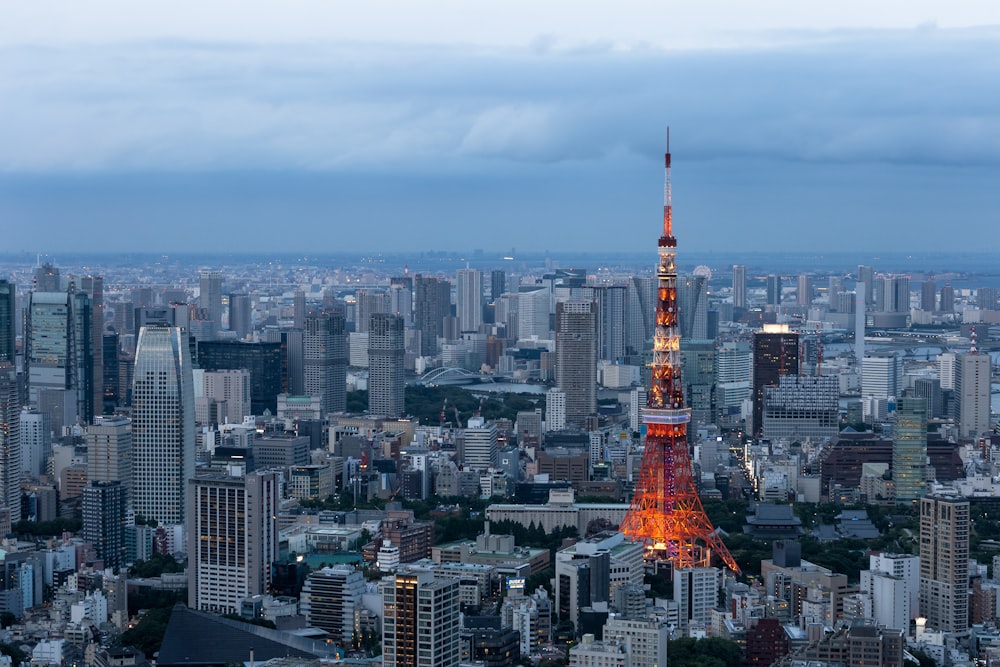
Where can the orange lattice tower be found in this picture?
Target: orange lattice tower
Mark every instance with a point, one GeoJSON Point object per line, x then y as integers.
{"type": "Point", "coordinates": [666, 512]}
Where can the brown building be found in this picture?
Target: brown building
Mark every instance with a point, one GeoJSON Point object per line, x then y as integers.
{"type": "Point", "coordinates": [414, 538]}
{"type": "Point", "coordinates": [561, 463]}
{"type": "Point", "coordinates": [765, 643]}
{"type": "Point", "coordinates": [841, 463]}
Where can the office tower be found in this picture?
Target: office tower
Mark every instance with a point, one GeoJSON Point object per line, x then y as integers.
{"type": "Point", "coordinates": [299, 309]}
{"type": "Point", "coordinates": [928, 296]}
{"type": "Point", "coordinates": [420, 623]}
{"type": "Point", "coordinates": [866, 276]}
{"type": "Point", "coordinates": [696, 592]}
{"type": "Point", "coordinates": [775, 353]}
{"type": "Point", "coordinates": [232, 536]}
{"type": "Point", "coordinates": [733, 376]}
{"type": "Point", "coordinates": [555, 409]}
{"type": "Point", "coordinates": [666, 513]}
{"type": "Point", "coordinates": [909, 450]}
{"type": "Point", "coordinates": [8, 311]}
{"type": "Point", "coordinates": [480, 449]}
{"type": "Point", "coordinates": [93, 287]}
{"type": "Point", "coordinates": [10, 441]}
{"type": "Point", "coordinates": [947, 299]}
{"type": "Point", "coordinates": [401, 298]}
{"type": "Point", "coordinates": [892, 293]}
{"type": "Point", "coordinates": [58, 354]}
{"type": "Point", "coordinates": [469, 299]}
{"type": "Point", "coordinates": [882, 376]}
{"type": "Point", "coordinates": [739, 286]}
{"type": "Point", "coordinates": [35, 444]}
{"type": "Point", "coordinates": [210, 298]}
{"type": "Point", "coordinates": [834, 289]}
{"type": "Point", "coordinates": [104, 507]}
{"type": "Point", "coordinates": [240, 315]}
{"type": "Point", "coordinates": [698, 371]}
{"type": "Point", "coordinates": [901, 566]}
{"type": "Point", "coordinates": [163, 431]}
{"type": "Point", "coordinates": [802, 406]}
{"type": "Point", "coordinates": [804, 292]}
{"type": "Point", "coordinates": [533, 313]}
{"type": "Point", "coordinates": [109, 450]}
{"type": "Point", "coordinates": [498, 284]}
{"type": "Point", "coordinates": [332, 601]}
{"type": "Point", "coordinates": [46, 278]}
{"type": "Point", "coordinates": [641, 301]}
{"type": "Point", "coordinates": [294, 360]}
{"type": "Point", "coordinates": [773, 290]}
{"type": "Point", "coordinates": [432, 303]}
{"type": "Point", "coordinates": [265, 361]}
{"type": "Point", "coordinates": [324, 359]}
{"type": "Point", "coordinates": [230, 389]}
{"type": "Point", "coordinates": [972, 392]}
{"type": "Point", "coordinates": [860, 322]}
{"type": "Point", "coordinates": [986, 298]}
{"type": "Point", "coordinates": [611, 310]}
{"type": "Point", "coordinates": [576, 358]}
{"type": "Point", "coordinates": [386, 380]}
{"type": "Point", "coordinates": [692, 304]}
{"type": "Point", "coordinates": [111, 377]}
{"type": "Point", "coordinates": [368, 303]}
{"type": "Point", "coordinates": [944, 562]}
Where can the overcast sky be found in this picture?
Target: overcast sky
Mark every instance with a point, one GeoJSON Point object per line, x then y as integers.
{"type": "Point", "coordinates": [323, 125]}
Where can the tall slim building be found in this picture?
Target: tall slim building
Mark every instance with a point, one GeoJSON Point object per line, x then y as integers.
{"type": "Point", "coordinates": [866, 275]}
{"type": "Point", "coordinates": [533, 313]}
{"type": "Point", "coordinates": [324, 350]}
{"type": "Point", "coordinates": [928, 296]}
{"type": "Point", "coordinates": [420, 623]}
{"type": "Point", "coordinates": [368, 303]}
{"type": "Point", "coordinates": [210, 297]}
{"type": "Point", "coordinates": [479, 445]}
{"type": "Point", "coordinates": [498, 284]}
{"type": "Point", "coordinates": [386, 379]}
{"type": "Point", "coordinates": [469, 299]}
{"type": "Point", "coordinates": [972, 391]}
{"type": "Point", "coordinates": [432, 303]}
{"type": "Point", "coordinates": [576, 358]}
{"type": "Point", "coordinates": [10, 441]}
{"type": "Point", "coordinates": [909, 450]}
{"type": "Point", "coordinates": [299, 309]}
{"type": "Point", "coordinates": [611, 309]}
{"type": "Point", "coordinates": [775, 353]}
{"type": "Point", "coordinates": [739, 286]}
{"type": "Point", "coordinates": [8, 310]}
{"type": "Point", "coordinates": [163, 426]}
{"type": "Point", "coordinates": [639, 323]}
{"type": "Point", "coordinates": [947, 304]}
{"type": "Point", "coordinates": [240, 315]}
{"type": "Point", "coordinates": [332, 601]}
{"type": "Point", "coordinates": [35, 442]}
{"type": "Point", "coordinates": [882, 376]}
{"type": "Point", "coordinates": [804, 291]}
{"type": "Point", "coordinates": [93, 287]}
{"type": "Point", "coordinates": [692, 305]}
{"type": "Point", "coordinates": [109, 450]}
{"type": "Point", "coordinates": [232, 536]}
{"type": "Point", "coordinates": [986, 298]}
{"type": "Point", "coordinates": [401, 298]}
{"type": "Point", "coordinates": [773, 290]}
{"type": "Point", "coordinates": [104, 505]}
{"type": "Point", "coordinates": [944, 562]}
{"type": "Point", "coordinates": [46, 278]}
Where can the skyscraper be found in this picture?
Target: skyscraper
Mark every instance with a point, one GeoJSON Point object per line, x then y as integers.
{"type": "Point", "coordinates": [775, 353]}
{"type": "Point", "coordinates": [641, 298]}
{"type": "Point", "coordinates": [432, 303]}
{"type": "Point", "coordinates": [498, 284]}
{"type": "Point", "coordinates": [401, 298]}
{"type": "Point", "coordinates": [947, 304]}
{"type": "Point", "coordinates": [104, 505]}
{"type": "Point", "coordinates": [10, 441]}
{"type": "Point", "coordinates": [386, 380]}
{"type": "Point", "coordinates": [299, 309]}
{"type": "Point", "coordinates": [480, 449]}
{"type": "Point", "coordinates": [986, 298]}
{"type": "Point", "coordinates": [420, 623]}
{"type": "Point", "coordinates": [469, 299]}
{"type": "Point", "coordinates": [773, 291]}
{"type": "Point", "coordinates": [739, 286]}
{"type": "Point", "coordinates": [163, 427]}
{"type": "Point", "coordinates": [692, 306]}
{"type": "Point", "coordinates": [909, 450]}
{"type": "Point", "coordinates": [611, 307]}
{"type": "Point", "coordinates": [8, 309]}
{"type": "Point", "coordinates": [882, 376]}
{"type": "Point", "coordinates": [866, 275]}
{"type": "Point", "coordinates": [972, 391]}
{"type": "Point", "coordinates": [93, 287]}
{"type": "Point", "coordinates": [944, 562]}
{"type": "Point", "coordinates": [804, 292]}
{"type": "Point", "coordinates": [928, 296]}
{"type": "Point", "coordinates": [240, 315]}
{"type": "Point", "coordinates": [533, 313]}
{"type": "Point", "coordinates": [210, 297]}
{"type": "Point", "coordinates": [109, 450]}
{"type": "Point", "coordinates": [324, 352]}
{"type": "Point", "coordinates": [331, 600]}
{"type": "Point", "coordinates": [232, 538]}
{"type": "Point", "coordinates": [576, 358]}
{"type": "Point", "coordinates": [266, 362]}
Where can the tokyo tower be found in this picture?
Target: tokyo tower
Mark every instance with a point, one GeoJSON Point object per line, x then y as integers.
{"type": "Point", "coordinates": [666, 512]}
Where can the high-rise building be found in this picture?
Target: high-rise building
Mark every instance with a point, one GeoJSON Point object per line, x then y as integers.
{"type": "Point", "coordinates": [299, 309]}
{"type": "Point", "coordinates": [775, 353]}
{"type": "Point", "coordinates": [892, 293]}
{"type": "Point", "coordinates": [611, 311]}
{"type": "Point", "coordinates": [972, 392]}
{"type": "Point", "coordinates": [109, 450]}
{"type": "Point", "coordinates": [692, 306]}
{"type": "Point", "coordinates": [944, 562]}
{"type": "Point", "coordinates": [882, 376]}
{"type": "Point", "coordinates": [265, 360]}
{"type": "Point", "coordinates": [802, 406]}
{"type": "Point", "coordinates": [928, 296]}
{"type": "Point", "coordinates": [469, 299]}
{"type": "Point", "coordinates": [10, 441]}
{"type": "Point", "coordinates": [834, 289]}
{"type": "Point", "coordinates": [576, 358]}
{"type": "Point", "coordinates": [8, 310]}
{"type": "Point", "coordinates": [386, 380]}
{"type": "Point", "coordinates": [432, 303]}
{"type": "Point", "coordinates": [229, 391]}
{"type": "Point", "coordinates": [739, 286]}
{"type": "Point", "coordinates": [420, 623]}
{"type": "Point", "coordinates": [47, 279]}
{"type": "Point", "coordinates": [986, 298]}
{"type": "Point", "coordinates": [947, 299]}
{"type": "Point", "coordinates": [163, 425]}
{"type": "Point", "coordinates": [240, 315]}
{"type": "Point", "coordinates": [331, 601]}
{"type": "Point", "coordinates": [696, 591]}
{"type": "Point", "coordinates": [773, 290]}
{"type": "Point", "coordinates": [498, 284]}
{"type": "Point", "coordinates": [111, 378]}
{"type": "Point", "coordinates": [210, 297]}
{"type": "Point", "coordinates": [35, 442]}
{"type": "Point", "coordinates": [232, 536]}
{"type": "Point", "coordinates": [401, 298]}
{"type": "Point", "coordinates": [324, 347]}
{"type": "Point", "coordinates": [866, 275]}
{"type": "Point", "coordinates": [804, 293]}
{"type": "Point", "coordinates": [909, 450]}
{"type": "Point", "coordinates": [368, 303]}
{"type": "Point", "coordinates": [93, 287]}
{"type": "Point", "coordinates": [104, 505]}
{"type": "Point", "coordinates": [480, 449]}
{"type": "Point", "coordinates": [533, 313]}
{"type": "Point", "coordinates": [555, 409]}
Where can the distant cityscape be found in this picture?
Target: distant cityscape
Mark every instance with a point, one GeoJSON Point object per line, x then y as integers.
{"type": "Point", "coordinates": [203, 453]}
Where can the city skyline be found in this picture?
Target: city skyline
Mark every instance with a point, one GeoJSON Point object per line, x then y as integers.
{"type": "Point", "coordinates": [802, 129]}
